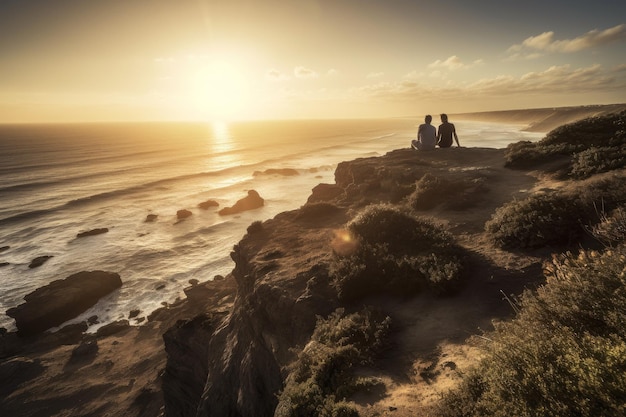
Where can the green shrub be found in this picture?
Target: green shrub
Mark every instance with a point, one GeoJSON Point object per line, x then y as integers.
{"type": "Point", "coordinates": [397, 254]}
{"type": "Point", "coordinates": [255, 227]}
{"type": "Point", "coordinates": [558, 217]}
{"type": "Point", "coordinates": [612, 229]}
{"type": "Point", "coordinates": [323, 375]}
{"type": "Point", "coordinates": [607, 131]}
{"type": "Point", "coordinates": [565, 352]}
{"type": "Point", "coordinates": [313, 211]}
{"type": "Point", "coordinates": [596, 160]}
{"type": "Point", "coordinates": [431, 191]}
{"type": "Point", "coordinates": [539, 220]}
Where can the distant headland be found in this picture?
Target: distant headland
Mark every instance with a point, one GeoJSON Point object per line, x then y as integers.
{"type": "Point", "coordinates": [543, 119]}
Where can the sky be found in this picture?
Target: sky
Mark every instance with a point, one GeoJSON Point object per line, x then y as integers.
{"type": "Point", "coordinates": [127, 60]}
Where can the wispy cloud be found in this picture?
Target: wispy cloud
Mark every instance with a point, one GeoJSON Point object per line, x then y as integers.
{"type": "Point", "coordinates": [375, 74]}
{"type": "Point", "coordinates": [534, 46]}
{"type": "Point", "coordinates": [303, 72]}
{"type": "Point", "coordinates": [454, 63]}
{"type": "Point", "coordinates": [553, 80]}
{"type": "Point", "coordinates": [275, 75]}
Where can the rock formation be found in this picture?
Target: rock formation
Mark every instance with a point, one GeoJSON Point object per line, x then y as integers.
{"type": "Point", "coordinates": [38, 261]}
{"type": "Point", "coordinates": [252, 201]}
{"type": "Point", "coordinates": [92, 232]}
{"type": "Point", "coordinates": [205, 205]}
{"type": "Point", "coordinates": [62, 300]}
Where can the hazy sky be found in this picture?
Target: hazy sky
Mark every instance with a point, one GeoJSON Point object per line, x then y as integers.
{"type": "Point", "coordinates": [81, 60]}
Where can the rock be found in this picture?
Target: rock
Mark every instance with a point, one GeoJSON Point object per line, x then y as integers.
{"type": "Point", "coordinates": [160, 287]}
{"type": "Point", "coordinates": [252, 201]}
{"type": "Point", "coordinates": [4, 264]}
{"type": "Point", "coordinates": [151, 218]}
{"type": "Point", "coordinates": [61, 300]}
{"type": "Point", "coordinates": [194, 281]}
{"type": "Point", "coordinates": [133, 314]}
{"type": "Point", "coordinates": [4, 248]}
{"type": "Point", "coordinates": [183, 214]}
{"type": "Point", "coordinates": [92, 232]}
{"type": "Point", "coordinates": [113, 328]}
{"type": "Point", "coordinates": [93, 320]}
{"type": "Point", "coordinates": [187, 364]}
{"type": "Point", "coordinates": [86, 349]}
{"type": "Point", "coordinates": [208, 204]}
{"type": "Point", "coordinates": [325, 192]}
{"type": "Point", "coordinates": [288, 172]}
{"type": "Point", "coordinates": [16, 372]}
{"type": "Point", "coordinates": [38, 261]}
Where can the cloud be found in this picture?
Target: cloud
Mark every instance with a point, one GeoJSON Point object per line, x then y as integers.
{"type": "Point", "coordinates": [454, 63]}
{"type": "Point", "coordinates": [302, 72]}
{"type": "Point", "coordinates": [533, 46]}
{"type": "Point", "coordinates": [375, 74]}
{"type": "Point", "coordinates": [332, 72]}
{"type": "Point", "coordinates": [275, 75]}
{"type": "Point", "coordinates": [553, 80]}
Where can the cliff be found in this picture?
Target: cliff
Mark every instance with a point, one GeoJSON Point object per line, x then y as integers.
{"type": "Point", "coordinates": [283, 283]}
{"type": "Point", "coordinates": [333, 308]}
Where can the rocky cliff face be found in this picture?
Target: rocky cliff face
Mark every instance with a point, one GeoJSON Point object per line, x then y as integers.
{"type": "Point", "coordinates": [236, 364]}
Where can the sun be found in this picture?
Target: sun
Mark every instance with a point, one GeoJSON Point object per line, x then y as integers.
{"type": "Point", "coordinates": [216, 90]}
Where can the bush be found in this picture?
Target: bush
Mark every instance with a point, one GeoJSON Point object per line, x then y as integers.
{"type": "Point", "coordinates": [315, 211]}
{"type": "Point", "coordinates": [255, 227]}
{"type": "Point", "coordinates": [431, 191]}
{"type": "Point", "coordinates": [539, 220]}
{"type": "Point", "coordinates": [596, 160]}
{"type": "Point", "coordinates": [569, 140]}
{"type": "Point", "coordinates": [565, 352]}
{"type": "Point", "coordinates": [323, 375]}
{"type": "Point", "coordinates": [612, 229]}
{"type": "Point", "coordinates": [556, 218]}
{"type": "Point", "coordinates": [397, 254]}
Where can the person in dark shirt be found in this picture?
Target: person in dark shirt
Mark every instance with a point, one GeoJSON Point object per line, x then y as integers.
{"type": "Point", "coordinates": [445, 133]}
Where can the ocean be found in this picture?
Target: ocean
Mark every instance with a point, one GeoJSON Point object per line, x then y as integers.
{"type": "Point", "coordinates": [61, 180]}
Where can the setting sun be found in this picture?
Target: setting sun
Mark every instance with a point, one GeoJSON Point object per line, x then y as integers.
{"type": "Point", "coordinates": [215, 90]}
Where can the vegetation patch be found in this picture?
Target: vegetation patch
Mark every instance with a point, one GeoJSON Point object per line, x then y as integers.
{"type": "Point", "coordinates": [397, 253]}
{"type": "Point", "coordinates": [432, 191]}
{"type": "Point", "coordinates": [565, 352]}
{"type": "Point", "coordinates": [322, 378]}
{"type": "Point", "coordinates": [591, 145]}
{"type": "Point", "coordinates": [558, 217]}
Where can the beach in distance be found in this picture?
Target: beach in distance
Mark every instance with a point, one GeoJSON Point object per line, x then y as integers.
{"type": "Point", "coordinates": [63, 180]}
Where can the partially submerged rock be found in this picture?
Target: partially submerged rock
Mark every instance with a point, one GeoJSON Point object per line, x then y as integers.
{"type": "Point", "coordinates": [38, 261]}
{"type": "Point", "coordinates": [92, 232]}
{"type": "Point", "coordinates": [287, 172]}
{"type": "Point", "coordinates": [183, 214]}
{"type": "Point", "coordinates": [62, 300]}
{"type": "Point", "coordinates": [150, 218]}
{"type": "Point", "coordinates": [252, 201]}
{"type": "Point", "coordinates": [205, 205]}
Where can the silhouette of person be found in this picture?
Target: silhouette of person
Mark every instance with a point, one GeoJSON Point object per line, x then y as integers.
{"type": "Point", "coordinates": [426, 136]}
{"type": "Point", "coordinates": [445, 133]}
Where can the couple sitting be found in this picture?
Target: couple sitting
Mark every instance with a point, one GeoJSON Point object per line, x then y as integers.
{"type": "Point", "coordinates": [428, 137]}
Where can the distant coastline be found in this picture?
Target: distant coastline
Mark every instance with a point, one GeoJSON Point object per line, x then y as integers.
{"type": "Point", "coordinates": [543, 119]}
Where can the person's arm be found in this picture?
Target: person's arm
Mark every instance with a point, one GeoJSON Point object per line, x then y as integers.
{"type": "Point", "coordinates": [456, 138]}
{"type": "Point", "coordinates": [438, 138]}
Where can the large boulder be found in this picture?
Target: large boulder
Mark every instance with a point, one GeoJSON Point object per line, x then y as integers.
{"type": "Point", "coordinates": [62, 300]}
{"type": "Point", "coordinates": [252, 201]}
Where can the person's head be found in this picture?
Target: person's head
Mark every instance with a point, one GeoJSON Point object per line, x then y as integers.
{"type": "Point", "coordinates": [444, 117]}
{"type": "Point", "coordinates": [428, 118]}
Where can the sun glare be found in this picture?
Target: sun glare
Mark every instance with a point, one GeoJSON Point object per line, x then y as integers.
{"type": "Point", "coordinates": [216, 91]}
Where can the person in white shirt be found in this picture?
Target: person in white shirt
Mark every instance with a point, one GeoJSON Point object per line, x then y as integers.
{"type": "Point", "coordinates": [426, 136]}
